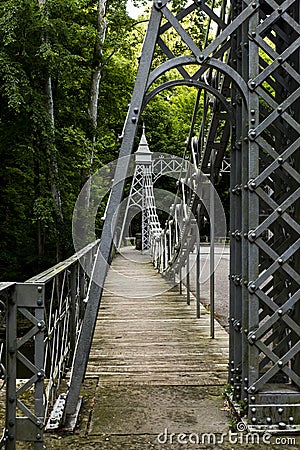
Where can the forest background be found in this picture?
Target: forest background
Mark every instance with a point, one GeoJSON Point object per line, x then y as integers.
{"type": "Point", "coordinates": [67, 71]}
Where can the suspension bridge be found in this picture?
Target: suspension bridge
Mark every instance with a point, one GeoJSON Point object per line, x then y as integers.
{"type": "Point", "coordinates": [63, 325]}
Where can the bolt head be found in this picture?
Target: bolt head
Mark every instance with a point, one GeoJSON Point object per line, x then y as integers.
{"type": "Point", "coordinates": [280, 160]}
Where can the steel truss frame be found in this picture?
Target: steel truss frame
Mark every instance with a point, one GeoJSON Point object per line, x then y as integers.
{"type": "Point", "coordinates": [247, 65]}
{"type": "Point", "coordinates": [251, 68]}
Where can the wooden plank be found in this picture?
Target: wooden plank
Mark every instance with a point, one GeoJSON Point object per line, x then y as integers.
{"type": "Point", "coordinates": [147, 334]}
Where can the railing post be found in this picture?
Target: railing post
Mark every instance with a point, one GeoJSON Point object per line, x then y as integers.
{"type": "Point", "coordinates": [73, 298]}
{"type": "Point", "coordinates": [11, 364]}
{"type": "Point", "coordinates": [212, 246]}
{"type": "Point", "coordinates": [188, 284]}
{"type": "Point", "coordinates": [29, 427]}
{"type": "Point", "coordinates": [198, 275]}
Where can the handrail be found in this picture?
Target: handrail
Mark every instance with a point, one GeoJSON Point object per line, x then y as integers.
{"type": "Point", "coordinates": [44, 317]}
{"type": "Point", "coordinates": [50, 273]}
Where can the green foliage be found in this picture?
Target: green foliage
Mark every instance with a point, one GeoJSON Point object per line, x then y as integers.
{"type": "Point", "coordinates": [59, 42]}
{"type": "Point", "coordinates": [56, 41]}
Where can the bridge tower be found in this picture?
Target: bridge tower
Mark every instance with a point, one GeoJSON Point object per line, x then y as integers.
{"type": "Point", "coordinates": [141, 195]}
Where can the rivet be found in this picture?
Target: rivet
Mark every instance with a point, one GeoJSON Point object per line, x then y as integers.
{"type": "Point", "coordinates": [200, 58]}
{"type": "Point", "coordinates": [251, 287]}
{"type": "Point", "coordinates": [279, 109]}
{"type": "Point", "coordinates": [251, 236]}
{"type": "Point", "coordinates": [254, 5]}
{"type": "Point", "coordinates": [246, 380]}
{"type": "Point", "coordinates": [253, 399]}
{"type": "Point", "coordinates": [252, 134]}
{"type": "Point", "coordinates": [279, 210]}
{"type": "Point", "coordinates": [253, 410]}
{"type": "Point", "coordinates": [280, 59]}
{"type": "Point", "coordinates": [280, 312]}
{"type": "Point", "coordinates": [252, 111]}
{"type": "Point", "coordinates": [133, 119]}
{"type": "Point", "coordinates": [135, 110]}
{"type": "Point", "coordinates": [11, 399]}
{"type": "Point", "coordinates": [252, 121]}
{"type": "Point", "coordinates": [280, 160]}
{"type": "Point", "coordinates": [279, 10]}
{"type": "Point", "coordinates": [39, 302]}
{"type": "Point", "coordinates": [268, 420]}
{"type": "Point", "coordinates": [11, 423]}
{"type": "Point", "coordinates": [252, 84]}
{"type": "Point", "coordinates": [291, 419]}
{"type": "Point", "coordinates": [280, 261]}
{"type": "Point", "coordinates": [38, 436]}
{"type": "Point", "coordinates": [282, 425]}
{"type": "Point", "coordinates": [280, 410]}
{"type": "Point", "coordinates": [253, 420]}
{"type": "Point", "coordinates": [280, 364]}
{"type": "Point", "coordinates": [253, 33]}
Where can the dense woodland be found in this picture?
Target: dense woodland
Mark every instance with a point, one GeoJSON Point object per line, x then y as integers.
{"type": "Point", "coordinates": [67, 71]}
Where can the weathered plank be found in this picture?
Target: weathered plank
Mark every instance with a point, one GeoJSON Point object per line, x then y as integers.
{"type": "Point", "coordinates": [147, 334]}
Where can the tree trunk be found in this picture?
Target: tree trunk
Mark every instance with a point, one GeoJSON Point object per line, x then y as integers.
{"type": "Point", "coordinates": [96, 76]}
{"type": "Point", "coordinates": [53, 169]}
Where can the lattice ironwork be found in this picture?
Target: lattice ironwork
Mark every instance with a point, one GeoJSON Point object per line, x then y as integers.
{"type": "Point", "coordinates": [273, 229]}
{"type": "Point", "coordinates": [43, 321]}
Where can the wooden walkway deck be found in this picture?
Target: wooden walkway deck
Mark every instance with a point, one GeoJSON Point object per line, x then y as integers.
{"type": "Point", "coordinates": [153, 366]}
{"type": "Point", "coordinates": [142, 338]}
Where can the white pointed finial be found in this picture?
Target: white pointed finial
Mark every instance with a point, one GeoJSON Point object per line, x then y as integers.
{"type": "Point", "coordinates": [143, 149]}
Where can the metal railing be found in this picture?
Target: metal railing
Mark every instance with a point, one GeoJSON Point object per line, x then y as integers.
{"type": "Point", "coordinates": [42, 319]}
